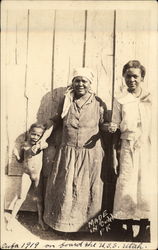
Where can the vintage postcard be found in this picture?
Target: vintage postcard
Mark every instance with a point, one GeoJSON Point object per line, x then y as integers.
{"type": "Point", "coordinates": [79, 124]}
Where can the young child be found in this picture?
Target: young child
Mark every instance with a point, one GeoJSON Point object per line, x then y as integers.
{"type": "Point", "coordinates": [31, 155]}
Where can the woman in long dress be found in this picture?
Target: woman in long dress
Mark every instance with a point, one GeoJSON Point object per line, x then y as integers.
{"type": "Point", "coordinates": [132, 116]}
{"type": "Point", "coordinates": [74, 188]}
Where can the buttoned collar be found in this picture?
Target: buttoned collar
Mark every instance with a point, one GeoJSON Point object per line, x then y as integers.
{"type": "Point", "coordinates": [88, 101]}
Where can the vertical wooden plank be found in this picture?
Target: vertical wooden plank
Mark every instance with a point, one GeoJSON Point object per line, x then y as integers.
{"type": "Point", "coordinates": [39, 69]}
{"type": "Point", "coordinates": [132, 41]}
{"type": "Point", "coordinates": [21, 37]}
{"type": "Point", "coordinates": [153, 59]}
{"type": "Point", "coordinates": [142, 51]}
{"type": "Point", "coordinates": [85, 36]}
{"type": "Point", "coordinates": [15, 80]}
{"type": "Point", "coordinates": [69, 36]}
{"type": "Point", "coordinates": [11, 37]}
{"type": "Point", "coordinates": [4, 115]}
{"type": "Point", "coordinates": [99, 51]}
{"type": "Point", "coordinates": [113, 63]}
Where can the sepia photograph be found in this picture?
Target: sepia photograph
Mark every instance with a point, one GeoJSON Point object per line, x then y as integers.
{"type": "Point", "coordinates": [79, 124]}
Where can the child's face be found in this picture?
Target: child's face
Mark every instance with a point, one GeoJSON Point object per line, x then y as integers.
{"type": "Point", "coordinates": [133, 78]}
{"type": "Point", "coordinates": [34, 135]}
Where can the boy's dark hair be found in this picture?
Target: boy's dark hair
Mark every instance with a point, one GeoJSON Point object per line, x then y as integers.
{"type": "Point", "coordinates": [37, 125]}
{"type": "Point", "coordinates": [134, 64]}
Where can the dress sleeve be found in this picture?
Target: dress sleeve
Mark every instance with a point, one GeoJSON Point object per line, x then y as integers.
{"type": "Point", "coordinates": [116, 114]}
{"type": "Point", "coordinates": [103, 113]}
{"type": "Point", "coordinates": [56, 119]}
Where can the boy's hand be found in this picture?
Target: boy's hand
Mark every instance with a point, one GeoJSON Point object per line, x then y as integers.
{"type": "Point", "coordinates": [35, 148]}
{"type": "Point", "coordinates": [43, 144]}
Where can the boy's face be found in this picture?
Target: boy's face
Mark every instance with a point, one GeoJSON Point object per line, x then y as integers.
{"type": "Point", "coordinates": [34, 135]}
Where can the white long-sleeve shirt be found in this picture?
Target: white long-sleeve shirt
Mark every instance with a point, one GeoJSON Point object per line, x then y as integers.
{"type": "Point", "coordinates": [133, 115]}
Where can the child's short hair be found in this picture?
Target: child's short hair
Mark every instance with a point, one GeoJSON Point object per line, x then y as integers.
{"type": "Point", "coordinates": [37, 125]}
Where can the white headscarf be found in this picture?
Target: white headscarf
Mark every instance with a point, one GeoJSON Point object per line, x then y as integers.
{"type": "Point", "coordinates": [84, 72]}
{"type": "Point", "coordinates": [69, 94]}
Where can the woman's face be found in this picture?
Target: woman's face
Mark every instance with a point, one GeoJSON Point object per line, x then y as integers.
{"type": "Point", "coordinates": [81, 85]}
{"type": "Point", "coordinates": [133, 78]}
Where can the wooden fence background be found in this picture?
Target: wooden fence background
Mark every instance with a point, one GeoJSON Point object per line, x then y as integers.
{"type": "Point", "coordinates": [41, 49]}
